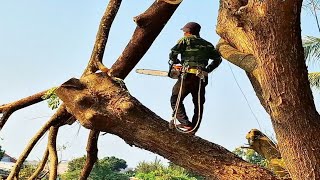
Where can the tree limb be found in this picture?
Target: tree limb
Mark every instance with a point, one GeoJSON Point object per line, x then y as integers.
{"type": "Point", "coordinates": [95, 62]}
{"type": "Point", "coordinates": [245, 61]}
{"type": "Point", "coordinates": [61, 114]}
{"type": "Point", "coordinates": [101, 103]}
{"type": "Point", "coordinates": [149, 25]}
{"type": "Point", "coordinates": [41, 165]}
{"type": "Point", "coordinates": [92, 154]}
{"type": "Point", "coordinates": [8, 109]}
{"type": "Point", "coordinates": [52, 147]}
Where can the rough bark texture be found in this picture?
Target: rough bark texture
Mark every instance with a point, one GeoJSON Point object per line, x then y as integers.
{"type": "Point", "coordinates": [92, 154]}
{"type": "Point", "coordinates": [149, 26]}
{"type": "Point", "coordinates": [270, 31]}
{"type": "Point", "coordinates": [101, 103]}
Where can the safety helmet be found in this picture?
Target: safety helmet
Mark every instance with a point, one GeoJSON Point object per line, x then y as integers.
{"type": "Point", "coordinates": [192, 27]}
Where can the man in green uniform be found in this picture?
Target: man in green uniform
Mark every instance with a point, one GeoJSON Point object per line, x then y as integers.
{"type": "Point", "coordinates": [195, 53]}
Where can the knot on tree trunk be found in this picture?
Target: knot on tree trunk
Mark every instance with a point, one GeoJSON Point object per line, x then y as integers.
{"type": "Point", "coordinates": [96, 100]}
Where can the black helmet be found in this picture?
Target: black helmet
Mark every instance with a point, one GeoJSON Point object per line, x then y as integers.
{"type": "Point", "coordinates": [192, 27]}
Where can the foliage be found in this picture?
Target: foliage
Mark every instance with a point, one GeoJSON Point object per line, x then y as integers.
{"type": "Point", "coordinates": [26, 171]}
{"type": "Point", "coordinates": [311, 47]}
{"type": "Point", "coordinates": [157, 171]}
{"type": "Point", "coordinates": [314, 79]}
{"type": "Point", "coordinates": [1, 152]}
{"type": "Point", "coordinates": [312, 54]}
{"type": "Point", "coordinates": [52, 99]}
{"type": "Point", "coordinates": [251, 156]}
{"type": "Point", "coordinates": [106, 168]}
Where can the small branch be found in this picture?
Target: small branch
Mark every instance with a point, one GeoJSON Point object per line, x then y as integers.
{"type": "Point", "coordinates": [95, 62]}
{"type": "Point", "coordinates": [92, 154]}
{"type": "Point", "coordinates": [4, 118]}
{"type": "Point", "coordinates": [41, 165]}
{"type": "Point", "coordinates": [8, 109]}
{"type": "Point", "coordinates": [246, 62]}
{"type": "Point", "coordinates": [61, 114]}
{"type": "Point", "coordinates": [52, 147]}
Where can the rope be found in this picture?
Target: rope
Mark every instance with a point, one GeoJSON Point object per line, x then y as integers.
{"type": "Point", "coordinates": [255, 117]}
{"type": "Point", "coordinates": [178, 103]}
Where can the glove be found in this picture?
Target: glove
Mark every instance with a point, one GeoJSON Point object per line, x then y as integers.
{"type": "Point", "coordinates": [209, 69]}
{"type": "Point", "coordinates": [174, 61]}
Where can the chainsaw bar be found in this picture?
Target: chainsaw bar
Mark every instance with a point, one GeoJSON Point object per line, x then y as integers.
{"type": "Point", "coordinates": [152, 72]}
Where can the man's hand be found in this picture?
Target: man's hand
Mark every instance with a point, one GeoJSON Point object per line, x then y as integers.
{"type": "Point", "coordinates": [175, 61]}
{"type": "Point", "coordinates": [209, 69]}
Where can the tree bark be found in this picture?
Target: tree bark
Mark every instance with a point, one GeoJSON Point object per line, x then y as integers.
{"type": "Point", "coordinates": [8, 109]}
{"type": "Point", "coordinates": [101, 103]}
{"type": "Point", "coordinates": [92, 154]}
{"type": "Point", "coordinates": [95, 61]}
{"type": "Point", "coordinates": [149, 25]}
{"type": "Point", "coordinates": [270, 31]}
{"type": "Point", "coordinates": [52, 147]}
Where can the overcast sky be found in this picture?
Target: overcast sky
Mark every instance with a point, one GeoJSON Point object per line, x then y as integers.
{"type": "Point", "coordinates": [45, 43]}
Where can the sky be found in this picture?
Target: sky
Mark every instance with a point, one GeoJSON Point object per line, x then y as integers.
{"type": "Point", "coordinates": [45, 43]}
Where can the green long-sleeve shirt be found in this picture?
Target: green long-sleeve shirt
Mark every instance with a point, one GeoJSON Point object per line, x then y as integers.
{"type": "Point", "coordinates": [195, 51]}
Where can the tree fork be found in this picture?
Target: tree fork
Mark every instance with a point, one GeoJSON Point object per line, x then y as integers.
{"type": "Point", "coordinates": [103, 104]}
{"type": "Point", "coordinates": [95, 62]}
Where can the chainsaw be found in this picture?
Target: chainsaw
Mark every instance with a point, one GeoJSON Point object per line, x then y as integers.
{"type": "Point", "coordinates": [174, 72]}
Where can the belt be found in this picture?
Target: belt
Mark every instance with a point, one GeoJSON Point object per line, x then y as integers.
{"type": "Point", "coordinates": [196, 71]}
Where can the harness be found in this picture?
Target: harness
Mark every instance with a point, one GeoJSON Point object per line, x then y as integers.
{"type": "Point", "coordinates": [199, 73]}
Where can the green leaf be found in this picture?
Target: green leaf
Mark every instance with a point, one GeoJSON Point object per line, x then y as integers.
{"type": "Point", "coordinates": [314, 79]}
{"type": "Point", "coordinates": [311, 48]}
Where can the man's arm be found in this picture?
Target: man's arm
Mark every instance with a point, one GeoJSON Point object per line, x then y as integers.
{"type": "Point", "coordinates": [216, 57]}
{"type": "Point", "coordinates": [176, 50]}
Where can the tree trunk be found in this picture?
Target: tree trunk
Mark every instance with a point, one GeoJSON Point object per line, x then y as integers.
{"type": "Point", "coordinates": [101, 103]}
{"type": "Point", "coordinates": [270, 31]}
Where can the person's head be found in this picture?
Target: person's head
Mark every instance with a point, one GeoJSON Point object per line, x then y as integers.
{"type": "Point", "coordinates": [192, 28]}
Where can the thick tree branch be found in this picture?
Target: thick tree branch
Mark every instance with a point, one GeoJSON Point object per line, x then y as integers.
{"type": "Point", "coordinates": [101, 103]}
{"type": "Point", "coordinates": [41, 165]}
{"type": "Point", "coordinates": [92, 154]}
{"type": "Point", "coordinates": [52, 147]}
{"type": "Point", "coordinates": [246, 62]}
{"type": "Point", "coordinates": [95, 62]}
{"type": "Point", "coordinates": [8, 109]}
{"type": "Point", "coordinates": [61, 115]}
{"type": "Point", "coordinates": [149, 25]}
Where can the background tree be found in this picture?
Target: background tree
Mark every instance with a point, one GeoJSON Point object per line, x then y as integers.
{"type": "Point", "coordinates": [251, 156]}
{"type": "Point", "coordinates": [157, 171]}
{"type": "Point", "coordinates": [106, 168]}
{"type": "Point", "coordinates": [1, 152]}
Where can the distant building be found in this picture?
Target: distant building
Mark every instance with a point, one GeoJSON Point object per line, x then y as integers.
{"type": "Point", "coordinates": [7, 158]}
{"type": "Point", "coordinates": [6, 164]}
